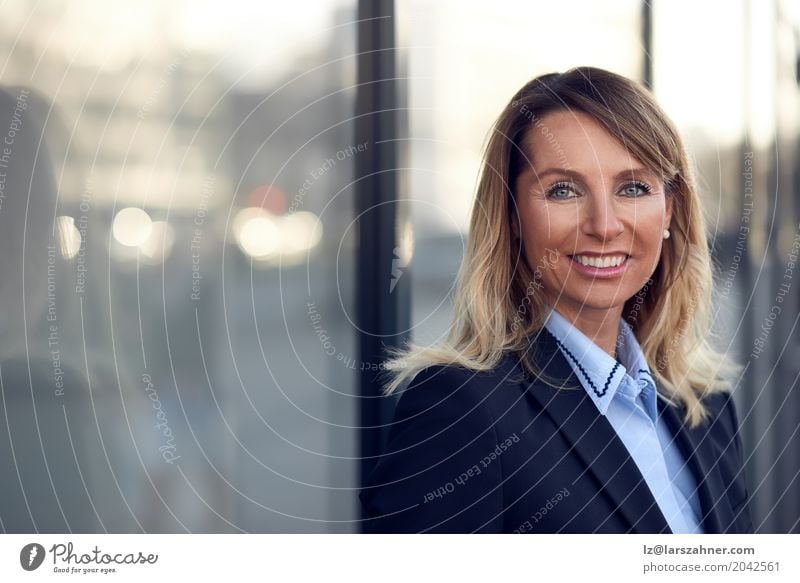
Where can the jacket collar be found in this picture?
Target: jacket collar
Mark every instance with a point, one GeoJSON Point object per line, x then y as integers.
{"type": "Point", "coordinates": [602, 451]}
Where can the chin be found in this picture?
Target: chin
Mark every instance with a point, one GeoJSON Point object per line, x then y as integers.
{"type": "Point", "coordinates": [595, 302]}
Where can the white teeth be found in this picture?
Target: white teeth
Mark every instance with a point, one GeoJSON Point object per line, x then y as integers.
{"type": "Point", "coordinates": [600, 261]}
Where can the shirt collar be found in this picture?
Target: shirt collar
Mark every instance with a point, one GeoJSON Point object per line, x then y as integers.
{"type": "Point", "coordinates": [599, 374]}
{"type": "Point", "coordinates": [630, 353]}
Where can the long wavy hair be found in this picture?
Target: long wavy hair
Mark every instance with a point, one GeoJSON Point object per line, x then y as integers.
{"type": "Point", "coordinates": [497, 308]}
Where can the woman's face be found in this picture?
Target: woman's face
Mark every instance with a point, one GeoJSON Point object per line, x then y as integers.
{"type": "Point", "coordinates": [592, 216]}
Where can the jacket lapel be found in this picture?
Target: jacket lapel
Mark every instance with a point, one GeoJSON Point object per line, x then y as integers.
{"type": "Point", "coordinates": [593, 439]}
{"type": "Point", "coordinates": [696, 447]}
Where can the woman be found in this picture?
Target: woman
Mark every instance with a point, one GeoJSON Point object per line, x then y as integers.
{"type": "Point", "coordinates": [577, 391]}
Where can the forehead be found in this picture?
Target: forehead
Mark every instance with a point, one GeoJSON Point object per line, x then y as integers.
{"type": "Point", "coordinates": [575, 140]}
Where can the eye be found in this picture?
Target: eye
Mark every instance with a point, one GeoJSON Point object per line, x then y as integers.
{"type": "Point", "coordinates": [561, 191]}
{"type": "Point", "coordinates": [635, 188]}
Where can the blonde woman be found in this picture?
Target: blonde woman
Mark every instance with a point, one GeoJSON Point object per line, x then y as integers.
{"type": "Point", "coordinates": [578, 390]}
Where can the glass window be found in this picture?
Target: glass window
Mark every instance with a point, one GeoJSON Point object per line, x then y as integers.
{"type": "Point", "coordinates": [177, 331]}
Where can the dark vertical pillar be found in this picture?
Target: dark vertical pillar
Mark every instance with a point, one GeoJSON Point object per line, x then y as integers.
{"type": "Point", "coordinates": [382, 300]}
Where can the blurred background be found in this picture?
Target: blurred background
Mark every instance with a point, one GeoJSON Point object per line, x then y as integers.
{"type": "Point", "coordinates": [215, 215]}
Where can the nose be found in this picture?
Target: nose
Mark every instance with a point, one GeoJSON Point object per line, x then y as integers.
{"type": "Point", "coordinates": [601, 217]}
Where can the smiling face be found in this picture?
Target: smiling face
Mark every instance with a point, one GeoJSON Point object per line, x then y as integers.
{"type": "Point", "coordinates": [592, 216]}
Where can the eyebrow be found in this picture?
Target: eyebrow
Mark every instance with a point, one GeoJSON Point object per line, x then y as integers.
{"type": "Point", "coordinates": [579, 175]}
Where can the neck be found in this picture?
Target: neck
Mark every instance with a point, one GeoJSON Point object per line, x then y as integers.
{"type": "Point", "coordinates": [600, 326]}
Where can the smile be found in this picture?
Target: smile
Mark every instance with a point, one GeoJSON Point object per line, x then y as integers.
{"type": "Point", "coordinates": [603, 266]}
{"type": "Point", "coordinates": [601, 262]}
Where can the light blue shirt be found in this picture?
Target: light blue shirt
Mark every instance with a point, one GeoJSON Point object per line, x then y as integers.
{"type": "Point", "coordinates": [624, 391]}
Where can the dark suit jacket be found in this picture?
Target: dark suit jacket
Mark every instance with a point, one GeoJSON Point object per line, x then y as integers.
{"type": "Point", "coordinates": [492, 452]}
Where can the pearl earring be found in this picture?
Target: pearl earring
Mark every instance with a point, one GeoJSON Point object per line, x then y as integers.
{"type": "Point", "coordinates": [666, 233]}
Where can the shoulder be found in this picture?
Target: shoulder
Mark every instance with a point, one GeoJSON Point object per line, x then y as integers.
{"type": "Point", "coordinates": [446, 402]}
{"type": "Point", "coordinates": [722, 413]}
{"type": "Point", "coordinates": [452, 387]}
{"type": "Point", "coordinates": [427, 479]}
{"type": "Point", "coordinates": [448, 374]}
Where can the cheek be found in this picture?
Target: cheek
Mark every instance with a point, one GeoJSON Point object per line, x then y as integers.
{"type": "Point", "coordinates": [547, 227]}
{"type": "Point", "coordinates": [648, 214]}
{"type": "Point", "coordinates": [544, 251]}
{"type": "Point", "coordinates": [649, 230]}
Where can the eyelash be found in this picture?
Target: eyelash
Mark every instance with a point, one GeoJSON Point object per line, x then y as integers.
{"type": "Point", "coordinates": [568, 185]}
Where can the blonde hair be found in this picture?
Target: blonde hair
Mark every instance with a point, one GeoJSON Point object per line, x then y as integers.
{"type": "Point", "coordinates": [671, 315]}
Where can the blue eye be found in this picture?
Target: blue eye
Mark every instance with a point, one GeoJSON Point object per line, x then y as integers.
{"type": "Point", "coordinates": [561, 190]}
{"type": "Point", "coordinates": [635, 189]}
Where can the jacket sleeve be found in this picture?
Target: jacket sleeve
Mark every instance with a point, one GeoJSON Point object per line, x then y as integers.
{"type": "Point", "coordinates": [742, 509]}
{"type": "Point", "coordinates": [436, 474]}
